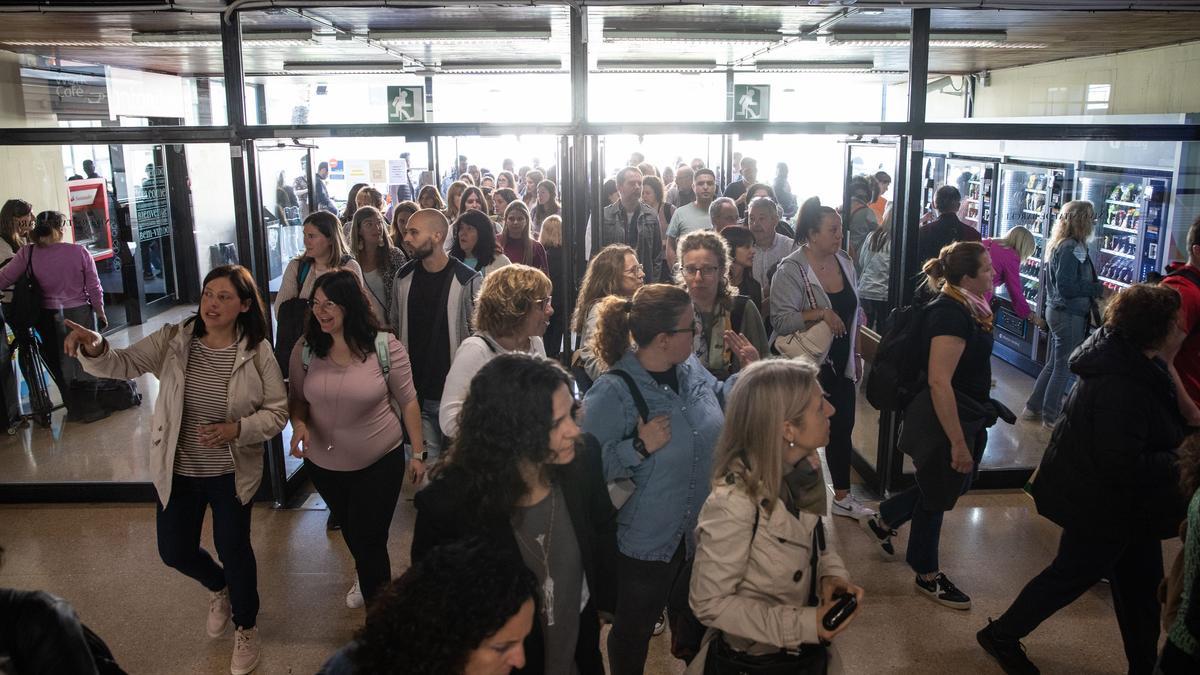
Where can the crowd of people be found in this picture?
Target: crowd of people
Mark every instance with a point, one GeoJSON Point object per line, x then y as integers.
{"type": "Point", "coordinates": [673, 474]}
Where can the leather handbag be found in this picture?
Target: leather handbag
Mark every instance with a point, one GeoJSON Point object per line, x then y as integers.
{"type": "Point", "coordinates": [812, 343]}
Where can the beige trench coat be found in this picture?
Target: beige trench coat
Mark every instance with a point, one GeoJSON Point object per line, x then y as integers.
{"type": "Point", "coordinates": [256, 398]}
{"type": "Point", "coordinates": [754, 586]}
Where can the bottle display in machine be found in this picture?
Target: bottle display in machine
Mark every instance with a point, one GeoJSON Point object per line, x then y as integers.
{"type": "Point", "coordinates": [974, 180]}
{"type": "Point", "coordinates": [932, 177]}
{"type": "Point", "coordinates": [1130, 215]}
{"type": "Point", "coordinates": [1030, 197]}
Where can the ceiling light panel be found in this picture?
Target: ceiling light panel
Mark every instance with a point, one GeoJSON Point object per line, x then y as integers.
{"type": "Point", "coordinates": [685, 37]}
{"type": "Point", "coordinates": [460, 37]}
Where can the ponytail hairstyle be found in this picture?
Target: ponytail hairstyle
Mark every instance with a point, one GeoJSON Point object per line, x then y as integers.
{"type": "Point", "coordinates": [13, 209]}
{"type": "Point", "coordinates": [48, 222]}
{"type": "Point", "coordinates": [654, 309]}
{"type": "Point", "coordinates": [812, 213]}
{"type": "Point", "coordinates": [957, 260]}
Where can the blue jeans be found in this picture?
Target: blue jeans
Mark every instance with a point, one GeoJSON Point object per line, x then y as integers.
{"type": "Point", "coordinates": [925, 535]}
{"type": "Point", "coordinates": [1066, 333]}
{"type": "Point", "coordinates": [431, 429]}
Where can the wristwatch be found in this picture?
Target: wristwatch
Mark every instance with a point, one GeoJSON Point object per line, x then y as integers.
{"type": "Point", "coordinates": [640, 446]}
{"type": "Point", "coordinates": [422, 455]}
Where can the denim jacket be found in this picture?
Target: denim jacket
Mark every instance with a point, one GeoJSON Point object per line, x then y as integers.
{"type": "Point", "coordinates": [673, 482]}
{"type": "Point", "coordinates": [1072, 278]}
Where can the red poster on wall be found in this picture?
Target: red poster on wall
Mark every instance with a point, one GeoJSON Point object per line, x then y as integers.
{"type": "Point", "coordinates": [91, 220]}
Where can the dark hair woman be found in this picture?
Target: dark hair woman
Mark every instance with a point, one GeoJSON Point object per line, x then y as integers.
{"type": "Point", "coordinates": [654, 196]}
{"type": "Point", "coordinates": [665, 456]}
{"type": "Point", "coordinates": [945, 428]}
{"type": "Point", "coordinates": [545, 206]}
{"type": "Point", "coordinates": [351, 202]}
{"type": "Point", "coordinates": [476, 605]}
{"type": "Point", "coordinates": [70, 286]}
{"type": "Point", "coordinates": [816, 284]}
{"type": "Point", "coordinates": [345, 375]}
{"type": "Point", "coordinates": [741, 263]}
{"type": "Point", "coordinates": [378, 258]}
{"type": "Point", "coordinates": [16, 220]}
{"type": "Point", "coordinates": [501, 198]}
{"type": "Point", "coordinates": [472, 198]}
{"type": "Point", "coordinates": [400, 215]}
{"type": "Point", "coordinates": [220, 396]}
{"type": "Point", "coordinates": [430, 198]}
{"type": "Point", "coordinates": [1110, 479]}
{"type": "Point", "coordinates": [521, 476]}
{"type": "Point", "coordinates": [517, 240]}
{"type": "Point", "coordinates": [475, 243]}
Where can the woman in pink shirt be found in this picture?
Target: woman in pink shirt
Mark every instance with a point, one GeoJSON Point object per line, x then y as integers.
{"type": "Point", "coordinates": [343, 378]}
{"type": "Point", "coordinates": [70, 289]}
{"type": "Point", "coordinates": [1007, 255]}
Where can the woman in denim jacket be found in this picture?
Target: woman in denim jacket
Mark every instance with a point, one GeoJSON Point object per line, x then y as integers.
{"type": "Point", "coordinates": [668, 456]}
{"type": "Point", "coordinates": [1071, 289]}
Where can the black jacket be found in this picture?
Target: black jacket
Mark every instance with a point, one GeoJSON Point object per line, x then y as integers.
{"type": "Point", "coordinates": [1110, 468]}
{"type": "Point", "coordinates": [946, 230]}
{"type": "Point", "coordinates": [444, 514]}
{"type": "Point", "coordinates": [39, 633]}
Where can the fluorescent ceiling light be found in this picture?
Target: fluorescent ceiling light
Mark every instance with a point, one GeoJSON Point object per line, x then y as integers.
{"type": "Point", "coordinates": [814, 67]}
{"type": "Point", "coordinates": [344, 67]}
{"type": "Point", "coordinates": [978, 40]}
{"type": "Point", "coordinates": [271, 39]}
{"type": "Point", "coordinates": [524, 66]}
{"type": "Point", "coordinates": [459, 36]}
{"type": "Point", "coordinates": [621, 65]}
{"type": "Point", "coordinates": [761, 38]}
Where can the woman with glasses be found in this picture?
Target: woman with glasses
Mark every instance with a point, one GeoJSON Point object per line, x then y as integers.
{"type": "Point", "coordinates": [656, 415]}
{"type": "Point", "coordinates": [378, 258]}
{"type": "Point", "coordinates": [614, 271]}
{"type": "Point", "coordinates": [348, 379]}
{"type": "Point", "coordinates": [814, 284]}
{"type": "Point", "coordinates": [730, 333]}
{"type": "Point", "coordinates": [523, 477]}
{"type": "Point", "coordinates": [511, 314]}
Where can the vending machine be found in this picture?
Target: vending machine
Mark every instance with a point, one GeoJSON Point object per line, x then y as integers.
{"type": "Point", "coordinates": [933, 176]}
{"type": "Point", "coordinates": [975, 179]}
{"type": "Point", "coordinates": [1030, 195]}
{"type": "Point", "coordinates": [1130, 239]}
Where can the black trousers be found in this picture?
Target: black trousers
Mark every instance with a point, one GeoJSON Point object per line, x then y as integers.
{"type": "Point", "coordinates": [645, 588]}
{"type": "Point", "coordinates": [179, 526]}
{"type": "Point", "coordinates": [363, 501]}
{"type": "Point", "coordinates": [1135, 569]}
{"type": "Point", "coordinates": [877, 313]}
{"type": "Point", "coordinates": [67, 372]}
{"type": "Point", "coordinates": [842, 395]}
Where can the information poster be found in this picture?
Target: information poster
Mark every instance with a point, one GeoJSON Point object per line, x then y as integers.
{"type": "Point", "coordinates": [378, 171]}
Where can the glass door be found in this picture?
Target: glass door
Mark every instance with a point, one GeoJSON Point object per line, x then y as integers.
{"type": "Point", "coordinates": [150, 216]}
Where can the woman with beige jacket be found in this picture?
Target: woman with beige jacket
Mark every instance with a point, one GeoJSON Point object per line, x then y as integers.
{"type": "Point", "coordinates": [767, 569]}
{"type": "Point", "coordinates": [220, 396]}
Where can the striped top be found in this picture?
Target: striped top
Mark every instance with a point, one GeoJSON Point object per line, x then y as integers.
{"type": "Point", "coordinates": [205, 401]}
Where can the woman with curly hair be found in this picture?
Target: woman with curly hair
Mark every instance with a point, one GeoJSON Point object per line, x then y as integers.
{"type": "Point", "coordinates": [473, 239]}
{"type": "Point", "coordinates": [521, 476]}
{"type": "Point", "coordinates": [475, 605]}
{"type": "Point", "coordinates": [345, 375]}
{"type": "Point", "coordinates": [511, 314]}
{"type": "Point", "coordinates": [730, 332]}
{"type": "Point", "coordinates": [614, 271]}
{"type": "Point", "coordinates": [377, 257]}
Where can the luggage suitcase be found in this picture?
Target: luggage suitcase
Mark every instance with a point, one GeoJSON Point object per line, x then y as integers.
{"type": "Point", "coordinates": [117, 394]}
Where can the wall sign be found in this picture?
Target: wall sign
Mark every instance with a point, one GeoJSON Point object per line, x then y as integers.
{"type": "Point", "coordinates": [751, 102]}
{"type": "Point", "coordinates": [405, 104]}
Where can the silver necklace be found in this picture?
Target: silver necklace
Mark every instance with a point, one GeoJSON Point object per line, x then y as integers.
{"type": "Point", "coordinates": [544, 543]}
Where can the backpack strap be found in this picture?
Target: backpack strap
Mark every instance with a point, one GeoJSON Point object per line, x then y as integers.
{"type": "Point", "coordinates": [306, 354]}
{"type": "Point", "coordinates": [302, 274]}
{"type": "Point", "coordinates": [381, 353]}
{"type": "Point", "coordinates": [738, 312]}
{"type": "Point", "coordinates": [638, 400]}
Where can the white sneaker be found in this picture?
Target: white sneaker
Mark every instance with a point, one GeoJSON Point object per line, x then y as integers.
{"type": "Point", "coordinates": [851, 508]}
{"type": "Point", "coordinates": [1028, 415]}
{"type": "Point", "coordinates": [354, 598]}
{"type": "Point", "coordinates": [219, 613]}
{"type": "Point", "coordinates": [245, 651]}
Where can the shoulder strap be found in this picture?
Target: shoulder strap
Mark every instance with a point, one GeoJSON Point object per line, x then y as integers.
{"type": "Point", "coordinates": [305, 354]}
{"type": "Point", "coordinates": [638, 399]}
{"type": "Point", "coordinates": [818, 545]}
{"type": "Point", "coordinates": [381, 353]}
{"type": "Point", "coordinates": [738, 312]}
{"type": "Point", "coordinates": [302, 274]}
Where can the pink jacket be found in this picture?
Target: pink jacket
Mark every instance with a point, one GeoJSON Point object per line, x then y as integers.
{"type": "Point", "coordinates": [1008, 272]}
{"type": "Point", "coordinates": [65, 272]}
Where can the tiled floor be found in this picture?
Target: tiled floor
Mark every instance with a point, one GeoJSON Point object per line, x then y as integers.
{"type": "Point", "coordinates": [103, 559]}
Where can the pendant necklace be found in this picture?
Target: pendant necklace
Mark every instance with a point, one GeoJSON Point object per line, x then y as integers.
{"type": "Point", "coordinates": [544, 544]}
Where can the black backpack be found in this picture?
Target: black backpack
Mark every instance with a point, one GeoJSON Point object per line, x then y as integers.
{"type": "Point", "coordinates": [27, 299]}
{"type": "Point", "coordinates": [897, 374]}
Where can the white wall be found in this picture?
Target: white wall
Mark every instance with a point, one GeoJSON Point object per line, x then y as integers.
{"type": "Point", "coordinates": [32, 172]}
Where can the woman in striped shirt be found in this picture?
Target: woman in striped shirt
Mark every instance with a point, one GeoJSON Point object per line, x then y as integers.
{"type": "Point", "coordinates": [220, 396]}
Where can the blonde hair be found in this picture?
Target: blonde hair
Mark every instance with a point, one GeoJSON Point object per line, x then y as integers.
{"type": "Point", "coordinates": [1020, 240]}
{"type": "Point", "coordinates": [507, 296]}
{"type": "Point", "coordinates": [653, 310]}
{"type": "Point", "coordinates": [1075, 221]}
{"type": "Point", "coordinates": [453, 196]}
{"type": "Point", "coordinates": [602, 278]}
{"type": "Point", "coordinates": [358, 247]}
{"type": "Point", "coordinates": [551, 234]}
{"type": "Point", "coordinates": [767, 394]}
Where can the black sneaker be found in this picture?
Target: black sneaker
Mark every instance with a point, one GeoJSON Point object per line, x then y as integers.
{"type": "Point", "coordinates": [943, 591]}
{"type": "Point", "coordinates": [881, 535]}
{"type": "Point", "coordinates": [661, 624]}
{"type": "Point", "coordinates": [1010, 654]}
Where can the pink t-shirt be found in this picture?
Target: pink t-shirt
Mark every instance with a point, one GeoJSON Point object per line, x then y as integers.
{"type": "Point", "coordinates": [1008, 274]}
{"type": "Point", "coordinates": [65, 273]}
{"type": "Point", "coordinates": [351, 423]}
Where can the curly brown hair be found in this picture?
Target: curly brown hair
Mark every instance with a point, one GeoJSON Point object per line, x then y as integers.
{"type": "Point", "coordinates": [1143, 314]}
{"type": "Point", "coordinates": [507, 296]}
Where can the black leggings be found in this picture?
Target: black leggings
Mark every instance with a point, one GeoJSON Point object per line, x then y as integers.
{"type": "Point", "coordinates": [363, 501]}
{"type": "Point", "coordinates": [841, 393]}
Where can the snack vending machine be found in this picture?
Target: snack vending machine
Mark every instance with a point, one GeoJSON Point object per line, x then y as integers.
{"type": "Point", "coordinates": [1131, 218]}
{"type": "Point", "coordinates": [1030, 195]}
{"type": "Point", "coordinates": [975, 180]}
{"type": "Point", "coordinates": [932, 177]}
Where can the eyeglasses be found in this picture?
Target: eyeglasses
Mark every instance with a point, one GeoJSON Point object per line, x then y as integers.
{"type": "Point", "coordinates": [545, 302]}
{"type": "Point", "coordinates": [690, 271]}
{"type": "Point", "coordinates": [635, 270]}
{"type": "Point", "coordinates": [327, 306]}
